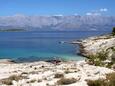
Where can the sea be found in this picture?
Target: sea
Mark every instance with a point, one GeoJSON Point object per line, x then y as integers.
{"type": "Point", "coordinates": [42, 45]}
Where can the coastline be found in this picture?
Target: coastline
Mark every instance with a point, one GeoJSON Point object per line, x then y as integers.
{"type": "Point", "coordinates": [49, 73]}
{"type": "Point", "coordinates": [93, 45]}
{"type": "Point", "coordinates": [7, 61]}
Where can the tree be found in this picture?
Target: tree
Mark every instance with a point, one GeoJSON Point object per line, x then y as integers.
{"type": "Point", "coordinates": [113, 31]}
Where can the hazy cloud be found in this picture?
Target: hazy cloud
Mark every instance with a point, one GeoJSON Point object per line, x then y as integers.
{"type": "Point", "coordinates": [93, 13]}
{"type": "Point", "coordinates": [103, 9]}
{"type": "Point", "coordinates": [97, 12]}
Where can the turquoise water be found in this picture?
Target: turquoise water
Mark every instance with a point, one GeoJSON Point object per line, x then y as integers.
{"type": "Point", "coordinates": [31, 46]}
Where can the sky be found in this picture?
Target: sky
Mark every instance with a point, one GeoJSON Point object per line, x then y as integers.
{"type": "Point", "coordinates": [57, 7]}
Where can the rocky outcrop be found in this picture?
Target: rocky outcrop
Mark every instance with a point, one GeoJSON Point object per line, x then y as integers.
{"type": "Point", "coordinates": [93, 45]}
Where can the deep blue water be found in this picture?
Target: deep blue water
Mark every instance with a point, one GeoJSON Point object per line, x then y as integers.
{"type": "Point", "coordinates": [30, 46]}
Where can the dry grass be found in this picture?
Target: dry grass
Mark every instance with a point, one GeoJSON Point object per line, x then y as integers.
{"type": "Point", "coordinates": [66, 81]}
{"type": "Point", "coordinates": [34, 80]}
{"type": "Point", "coordinates": [31, 81]}
{"type": "Point", "coordinates": [58, 75]}
{"type": "Point", "coordinates": [67, 71]}
{"type": "Point", "coordinates": [109, 81]}
{"type": "Point", "coordinates": [24, 72]}
{"type": "Point", "coordinates": [99, 82]}
{"type": "Point", "coordinates": [8, 81]}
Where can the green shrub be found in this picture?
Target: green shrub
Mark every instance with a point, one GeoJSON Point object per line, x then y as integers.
{"type": "Point", "coordinates": [98, 58]}
{"type": "Point", "coordinates": [113, 31]}
{"type": "Point", "coordinates": [102, 55]}
{"type": "Point", "coordinates": [108, 65]}
{"type": "Point", "coordinates": [66, 81]}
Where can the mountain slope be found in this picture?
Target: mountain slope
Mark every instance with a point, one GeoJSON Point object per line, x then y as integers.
{"type": "Point", "coordinates": [74, 22]}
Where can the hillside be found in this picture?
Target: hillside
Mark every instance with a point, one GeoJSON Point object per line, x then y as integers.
{"type": "Point", "coordinates": [67, 23]}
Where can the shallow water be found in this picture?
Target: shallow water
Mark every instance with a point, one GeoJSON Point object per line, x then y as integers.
{"type": "Point", "coordinates": [44, 45]}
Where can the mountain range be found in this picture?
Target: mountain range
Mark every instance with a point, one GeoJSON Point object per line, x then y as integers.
{"type": "Point", "coordinates": [58, 22]}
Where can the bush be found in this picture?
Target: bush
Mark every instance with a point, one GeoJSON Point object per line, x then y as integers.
{"type": "Point", "coordinates": [98, 58]}
{"type": "Point", "coordinates": [99, 82]}
{"type": "Point", "coordinates": [113, 31]}
{"type": "Point", "coordinates": [8, 81]}
{"type": "Point", "coordinates": [57, 75]}
{"type": "Point", "coordinates": [109, 81]}
{"type": "Point", "coordinates": [66, 81]}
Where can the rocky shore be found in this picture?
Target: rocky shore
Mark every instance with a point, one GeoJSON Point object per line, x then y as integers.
{"type": "Point", "coordinates": [93, 45]}
{"type": "Point", "coordinates": [48, 74]}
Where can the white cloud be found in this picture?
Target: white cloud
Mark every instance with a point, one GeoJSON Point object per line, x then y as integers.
{"type": "Point", "coordinates": [97, 12]}
{"type": "Point", "coordinates": [58, 15]}
{"type": "Point", "coordinates": [88, 14]}
{"type": "Point", "coordinates": [93, 13]}
{"type": "Point", "coordinates": [103, 9]}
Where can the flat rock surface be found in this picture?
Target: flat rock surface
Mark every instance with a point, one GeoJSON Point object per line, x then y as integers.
{"type": "Point", "coordinates": [43, 73]}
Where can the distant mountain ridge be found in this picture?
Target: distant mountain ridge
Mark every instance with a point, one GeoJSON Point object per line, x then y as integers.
{"type": "Point", "coordinates": [61, 23]}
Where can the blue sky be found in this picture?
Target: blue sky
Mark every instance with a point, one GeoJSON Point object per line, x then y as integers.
{"type": "Point", "coordinates": [57, 7]}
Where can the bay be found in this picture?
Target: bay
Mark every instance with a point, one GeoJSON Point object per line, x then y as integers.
{"type": "Point", "coordinates": [42, 45]}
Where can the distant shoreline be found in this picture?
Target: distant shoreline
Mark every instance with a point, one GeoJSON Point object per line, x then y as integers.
{"type": "Point", "coordinates": [12, 30]}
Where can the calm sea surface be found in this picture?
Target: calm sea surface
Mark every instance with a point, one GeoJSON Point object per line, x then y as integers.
{"type": "Point", "coordinates": [31, 46]}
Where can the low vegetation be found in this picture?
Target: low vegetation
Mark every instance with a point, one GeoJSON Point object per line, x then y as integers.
{"type": "Point", "coordinates": [98, 58]}
{"type": "Point", "coordinates": [113, 31]}
{"type": "Point", "coordinates": [66, 81]}
{"type": "Point", "coordinates": [109, 81]}
{"type": "Point", "coordinates": [67, 71]}
{"type": "Point", "coordinates": [58, 75]}
{"type": "Point", "coordinates": [8, 81]}
{"type": "Point", "coordinates": [32, 81]}
{"type": "Point", "coordinates": [99, 82]}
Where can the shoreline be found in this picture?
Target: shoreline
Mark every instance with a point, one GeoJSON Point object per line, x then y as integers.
{"type": "Point", "coordinates": [7, 61]}
{"type": "Point", "coordinates": [93, 45]}
{"type": "Point", "coordinates": [50, 72]}
{"type": "Point", "coordinates": [77, 57]}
